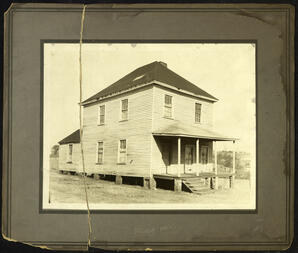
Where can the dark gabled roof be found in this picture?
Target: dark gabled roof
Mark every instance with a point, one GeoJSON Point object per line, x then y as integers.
{"type": "Point", "coordinates": [72, 138]}
{"type": "Point", "coordinates": [155, 71]}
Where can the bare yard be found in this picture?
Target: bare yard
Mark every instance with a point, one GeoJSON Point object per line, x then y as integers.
{"type": "Point", "coordinates": [70, 189]}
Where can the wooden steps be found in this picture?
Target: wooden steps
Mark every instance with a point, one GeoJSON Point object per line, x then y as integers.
{"type": "Point", "coordinates": [197, 185]}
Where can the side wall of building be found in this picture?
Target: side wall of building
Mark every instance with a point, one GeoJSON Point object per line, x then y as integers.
{"type": "Point", "coordinates": [75, 165]}
{"type": "Point", "coordinates": [136, 131]}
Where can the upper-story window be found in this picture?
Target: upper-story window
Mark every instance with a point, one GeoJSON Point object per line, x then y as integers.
{"type": "Point", "coordinates": [69, 153]}
{"type": "Point", "coordinates": [101, 114]}
{"type": "Point", "coordinates": [168, 106]}
{"type": "Point", "coordinates": [122, 152]}
{"type": "Point", "coordinates": [124, 109]}
{"type": "Point", "coordinates": [198, 112]}
{"type": "Point", "coordinates": [99, 153]}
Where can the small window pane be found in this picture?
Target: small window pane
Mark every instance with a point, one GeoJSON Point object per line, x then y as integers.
{"type": "Point", "coordinates": [124, 109]}
{"type": "Point", "coordinates": [124, 104]}
{"type": "Point", "coordinates": [99, 158]}
{"type": "Point", "coordinates": [168, 106]}
{"type": "Point", "coordinates": [100, 152]}
{"type": "Point", "coordinates": [124, 115]}
{"type": "Point", "coordinates": [102, 114]}
{"type": "Point", "coordinates": [168, 112]}
{"type": "Point", "coordinates": [70, 149]}
{"type": "Point", "coordinates": [122, 151]}
{"type": "Point", "coordinates": [198, 109]}
{"type": "Point", "coordinates": [102, 119]}
{"type": "Point", "coordinates": [168, 100]}
{"type": "Point", "coordinates": [102, 110]}
{"type": "Point", "coordinates": [123, 144]}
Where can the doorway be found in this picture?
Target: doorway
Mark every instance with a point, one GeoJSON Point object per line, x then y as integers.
{"type": "Point", "coordinates": [204, 158]}
{"type": "Point", "coordinates": [166, 155]}
{"type": "Point", "coordinates": [189, 159]}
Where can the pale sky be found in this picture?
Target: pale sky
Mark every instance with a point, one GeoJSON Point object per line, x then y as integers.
{"type": "Point", "coordinates": [226, 71]}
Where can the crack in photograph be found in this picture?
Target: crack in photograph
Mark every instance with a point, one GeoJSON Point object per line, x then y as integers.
{"type": "Point", "coordinates": [164, 126]}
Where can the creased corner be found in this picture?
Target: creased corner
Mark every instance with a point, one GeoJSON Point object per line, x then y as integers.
{"type": "Point", "coordinates": [8, 238]}
{"type": "Point", "coordinates": [9, 9]}
{"type": "Point", "coordinates": [32, 245]}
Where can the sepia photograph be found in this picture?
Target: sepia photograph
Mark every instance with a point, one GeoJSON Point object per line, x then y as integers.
{"type": "Point", "coordinates": [160, 127]}
{"type": "Point", "coordinates": [163, 126]}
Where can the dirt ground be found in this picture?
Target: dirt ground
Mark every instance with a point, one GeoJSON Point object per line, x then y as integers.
{"type": "Point", "coordinates": [70, 189]}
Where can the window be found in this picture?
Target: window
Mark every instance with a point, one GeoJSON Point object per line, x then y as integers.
{"type": "Point", "coordinates": [124, 109]}
{"type": "Point", "coordinates": [168, 106]}
{"type": "Point", "coordinates": [69, 154]}
{"type": "Point", "coordinates": [99, 154]}
{"type": "Point", "coordinates": [122, 152]}
{"type": "Point", "coordinates": [198, 110]}
{"type": "Point", "coordinates": [101, 114]}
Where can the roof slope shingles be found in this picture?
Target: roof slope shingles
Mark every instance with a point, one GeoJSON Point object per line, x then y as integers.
{"type": "Point", "coordinates": [155, 71]}
{"type": "Point", "coordinates": [72, 138]}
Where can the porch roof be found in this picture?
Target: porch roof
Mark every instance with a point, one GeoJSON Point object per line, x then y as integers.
{"type": "Point", "coordinates": [182, 130]}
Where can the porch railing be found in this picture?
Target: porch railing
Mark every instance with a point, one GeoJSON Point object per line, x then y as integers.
{"type": "Point", "coordinates": [196, 168]}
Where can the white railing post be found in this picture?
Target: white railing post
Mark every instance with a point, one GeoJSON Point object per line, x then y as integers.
{"type": "Point", "coordinates": [232, 183]}
{"type": "Point", "coordinates": [197, 157]}
{"type": "Point", "coordinates": [179, 156]}
{"type": "Point", "coordinates": [234, 159]}
{"type": "Point", "coordinates": [215, 166]}
{"type": "Point", "coordinates": [215, 157]}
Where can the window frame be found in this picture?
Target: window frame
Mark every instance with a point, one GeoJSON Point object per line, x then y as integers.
{"type": "Point", "coordinates": [200, 119]}
{"type": "Point", "coordinates": [97, 153]}
{"type": "Point", "coordinates": [119, 151]}
{"type": "Point", "coordinates": [121, 110]}
{"type": "Point", "coordinates": [69, 156]}
{"type": "Point", "coordinates": [165, 105]}
{"type": "Point", "coordinates": [99, 114]}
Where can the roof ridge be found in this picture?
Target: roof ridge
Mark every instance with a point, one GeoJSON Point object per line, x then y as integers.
{"type": "Point", "coordinates": [154, 71]}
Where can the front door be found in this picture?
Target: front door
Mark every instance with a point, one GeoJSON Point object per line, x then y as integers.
{"type": "Point", "coordinates": [204, 157]}
{"type": "Point", "coordinates": [189, 158]}
{"type": "Point", "coordinates": [166, 149]}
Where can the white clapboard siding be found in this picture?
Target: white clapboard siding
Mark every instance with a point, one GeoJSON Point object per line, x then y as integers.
{"type": "Point", "coordinates": [76, 163]}
{"type": "Point", "coordinates": [183, 109]}
{"type": "Point", "coordinates": [136, 130]}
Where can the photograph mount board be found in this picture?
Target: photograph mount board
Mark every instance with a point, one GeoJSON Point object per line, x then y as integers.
{"type": "Point", "coordinates": [270, 27]}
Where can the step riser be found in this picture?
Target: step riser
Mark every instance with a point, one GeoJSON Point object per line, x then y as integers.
{"type": "Point", "coordinates": [197, 186]}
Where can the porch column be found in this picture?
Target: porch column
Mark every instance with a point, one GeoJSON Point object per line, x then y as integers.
{"type": "Point", "coordinates": [215, 166]}
{"type": "Point", "coordinates": [215, 157]}
{"type": "Point", "coordinates": [179, 156]}
{"type": "Point", "coordinates": [197, 156]}
{"type": "Point", "coordinates": [234, 166]}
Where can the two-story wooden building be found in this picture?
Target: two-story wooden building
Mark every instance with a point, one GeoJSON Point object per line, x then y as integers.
{"type": "Point", "coordinates": [152, 125]}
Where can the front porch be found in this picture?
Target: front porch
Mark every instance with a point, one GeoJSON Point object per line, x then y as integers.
{"type": "Point", "coordinates": [192, 162]}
